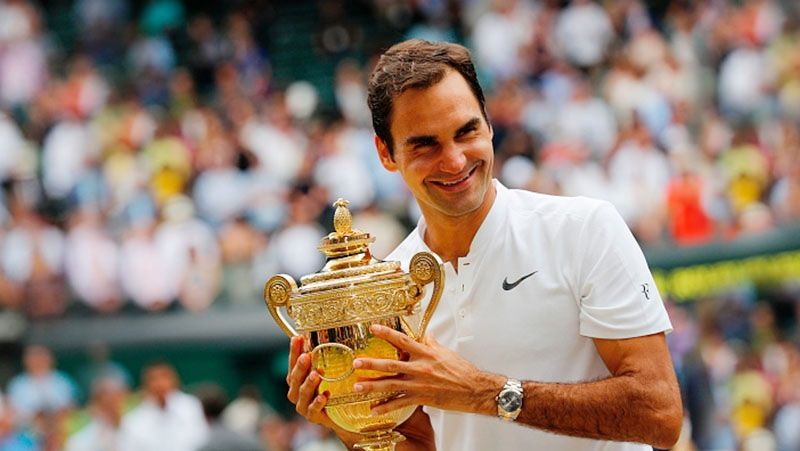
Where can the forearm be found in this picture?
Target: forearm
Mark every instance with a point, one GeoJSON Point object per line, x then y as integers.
{"type": "Point", "coordinates": [621, 408]}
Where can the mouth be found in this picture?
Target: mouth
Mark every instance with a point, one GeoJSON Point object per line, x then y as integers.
{"type": "Point", "coordinates": [456, 184]}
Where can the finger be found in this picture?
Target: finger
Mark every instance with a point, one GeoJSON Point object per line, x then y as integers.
{"type": "Point", "coordinates": [430, 340]}
{"type": "Point", "coordinates": [297, 376]}
{"type": "Point", "coordinates": [307, 393]}
{"type": "Point", "coordinates": [398, 339]}
{"type": "Point", "coordinates": [391, 384]}
{"type": "Point", "coordinates": [316, 410]}
{"type": "Point", "coordinates": [295, 349]}
{"type": "Point", "coordinates": [394, 404]}
{"type": "Point", "coordinates": [385, 365]}
{"type": "Point", "coordinates": [317, 404]}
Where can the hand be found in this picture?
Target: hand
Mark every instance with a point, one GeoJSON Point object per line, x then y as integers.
{"type": "Point", "coordinates": [303, 383]}
{"type": "Point", "coordinates": [433, 376]}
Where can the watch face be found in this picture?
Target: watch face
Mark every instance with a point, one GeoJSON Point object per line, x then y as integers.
{"type": "Point", "coordinates": [510, 400]}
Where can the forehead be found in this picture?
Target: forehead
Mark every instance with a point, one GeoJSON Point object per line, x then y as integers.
{"type": "Point", "coordinates": [435, 109]}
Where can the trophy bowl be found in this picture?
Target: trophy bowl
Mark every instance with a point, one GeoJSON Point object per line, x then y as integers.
{"type": "Point", "coordinates": [334, 309]}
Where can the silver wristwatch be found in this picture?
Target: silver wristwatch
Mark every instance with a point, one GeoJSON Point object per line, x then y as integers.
{"type": "Point", "coordinates": [509, 400]}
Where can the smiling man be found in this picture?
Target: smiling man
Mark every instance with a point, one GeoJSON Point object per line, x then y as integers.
{"type": "Point", "coordinates": [543, 323]}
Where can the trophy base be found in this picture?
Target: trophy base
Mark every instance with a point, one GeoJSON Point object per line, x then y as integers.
{"type": "Point", "coordinates": [380, 441]}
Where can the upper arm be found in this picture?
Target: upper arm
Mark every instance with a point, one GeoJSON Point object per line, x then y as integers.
{"type": "Point", "coordinates": [646, 356]}
{"type": "Point", "coordinates": [617, 295]}
{"type": "Point", "coordinates": [418, 432]}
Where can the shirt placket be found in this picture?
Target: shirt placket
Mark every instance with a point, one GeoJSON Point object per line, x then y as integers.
{"type": "Point", "coordinates": [463, 304]}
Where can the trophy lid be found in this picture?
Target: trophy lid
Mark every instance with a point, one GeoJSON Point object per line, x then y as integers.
{"type": "Point", "coordinates": [349, 260]}
{"type": "Point", "coordinates": [344, 241]}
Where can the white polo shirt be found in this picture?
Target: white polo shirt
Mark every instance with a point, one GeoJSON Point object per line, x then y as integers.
{"type": "Point", "coordinates": [544, 275]}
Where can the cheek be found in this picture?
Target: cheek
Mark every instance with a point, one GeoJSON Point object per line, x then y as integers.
{"type": "Point", "coordinates": [416, 170]}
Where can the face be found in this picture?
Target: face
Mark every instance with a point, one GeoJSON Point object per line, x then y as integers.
{"type": "Point", "coordinates": [442, 148]}
{"type": "Point", "coordinates": [38, 361]}
{"type": "Point", "coordinates": [160, 381]}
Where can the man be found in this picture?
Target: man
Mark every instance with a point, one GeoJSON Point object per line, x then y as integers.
{"type": "Point", "coordinates": [41, 387]}
{"type": "Point", "coordinates": [167, 418]}
{"type": "Point", "coordinates": [220, 436]}
{"type": "Point", "coordinates": [550, 317]}
{"type": "Point", "coordinates": [109, 393]}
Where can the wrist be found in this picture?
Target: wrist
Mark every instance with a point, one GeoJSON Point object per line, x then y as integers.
{"type": "Point", "coordinates": [486, 389]}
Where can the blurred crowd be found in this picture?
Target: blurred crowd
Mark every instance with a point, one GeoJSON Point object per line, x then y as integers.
{"type": "Point", "coordinates": [155, 158]}
{"type": "Point", "coordinates": [41, 412]}
{"type": "Point", "coordinates": [152, 160]}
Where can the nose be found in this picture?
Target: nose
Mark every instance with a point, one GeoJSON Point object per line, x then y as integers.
{"type": "Point", "coordinates": [453, 160]}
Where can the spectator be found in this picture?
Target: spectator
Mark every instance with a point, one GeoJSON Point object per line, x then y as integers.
{"type": "Point", "coordinates": [222, 438]}
{"type": "Point", "coordinates": [588, 120]}
{"type": "Point", "coordinates": [640, 173]}
{"type": "Point", "coordinates": [33, 260]}
{"type": "Point", "coordinates": [108, 396]}
{"type": "Point", "coordinates": [500, 35]}
{"type": "Point", "coordinates": [144, 272]}
{"type": "Point", "coordinates": [12, 438]}
{"type": "Point", "coordinates": [15, 148]}
{"type": "Point", "coordinates": [191, 253]}
{"type": "Point", "coordinates": [40, 389]}
{"type": "Point", "coordinates": [101, 366]}
{"type": "Point", "coordinates": [167, 418]}
{"type": "Point", "coordinates": [293, 250]}
{"type": "Point", "coordinates": [245, 413]}
{"type": "Point", "coordinates": [744, 79]}
{"type": "Point", "coordinates": [688, 221]}
{"type": "Point", "coordinates": [584, 32]}
{"type": "Point", "coordinates": [23, 64]}
{"type": "Point", "coordinates": [239, 244]}
{"type": "Point", "coordinates": [92, 262]}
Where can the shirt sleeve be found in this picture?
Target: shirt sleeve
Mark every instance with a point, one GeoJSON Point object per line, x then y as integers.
{"type": "Point", "coordinates": [618, 297]}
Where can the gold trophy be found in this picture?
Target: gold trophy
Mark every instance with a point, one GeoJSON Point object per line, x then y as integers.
{"type": "Point", "coordinates": [334, 309]}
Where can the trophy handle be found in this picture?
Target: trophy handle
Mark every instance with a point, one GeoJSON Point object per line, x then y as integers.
{"type": "Point", "coordinates": [425, 268]}
{"type": "Point", "coordinates": [277, 291]}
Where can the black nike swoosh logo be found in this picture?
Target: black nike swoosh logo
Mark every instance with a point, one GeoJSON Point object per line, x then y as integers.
{"type": "Point", "coordinates": [510, 286]}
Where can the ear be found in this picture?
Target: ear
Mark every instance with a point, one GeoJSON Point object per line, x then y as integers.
{"type": "Point", "coordinates": [385, 156]}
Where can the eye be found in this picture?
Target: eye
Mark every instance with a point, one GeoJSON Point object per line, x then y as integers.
{"type": "Point", "coordinates": [467, 133]}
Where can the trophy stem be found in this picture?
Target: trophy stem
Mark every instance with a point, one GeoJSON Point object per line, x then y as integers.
{"type": "Point", "coordinates": [380, 441]}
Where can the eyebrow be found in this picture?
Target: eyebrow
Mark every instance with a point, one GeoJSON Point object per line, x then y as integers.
{"type": "Point", "coordinates": [423, 140]}
{"type": "Point", "coordinates": [430, 139]}
{"type": "Point", "coordinates": [471, 124]}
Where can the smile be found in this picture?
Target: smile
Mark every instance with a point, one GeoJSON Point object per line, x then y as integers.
{"type": "Point", "coordinates": [457, 183]}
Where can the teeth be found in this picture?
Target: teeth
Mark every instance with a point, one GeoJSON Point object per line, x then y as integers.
{"type": "Point", "coordinates": [456, 182]}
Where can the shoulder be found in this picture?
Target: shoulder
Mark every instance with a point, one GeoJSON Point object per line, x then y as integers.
{"type": "Point", "coordinates": [81, 440]}
{"type": "Point", "coordinates": [184, 400]}
{"type": "Point", "coordinates": [18, 381]}
{"type": "Point", "coordinates": [61, 378]}
{"type": "Point", "coordinates": [555, 211]}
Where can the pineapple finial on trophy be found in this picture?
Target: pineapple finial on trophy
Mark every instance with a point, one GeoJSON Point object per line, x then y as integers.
{"type": "Point", "coordinates": [342, 219]}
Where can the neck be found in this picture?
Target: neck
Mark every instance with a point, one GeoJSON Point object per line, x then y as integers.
{"type": "Point", "coordinates": [450, 237]}
{"type": "Point", "coordinates": [113, 418]}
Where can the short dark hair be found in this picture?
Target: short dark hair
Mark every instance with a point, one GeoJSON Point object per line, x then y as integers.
{"type": "Point", "coordinates": [213, 399]}
{"type": "Point", "coordinates": [415, 64]}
